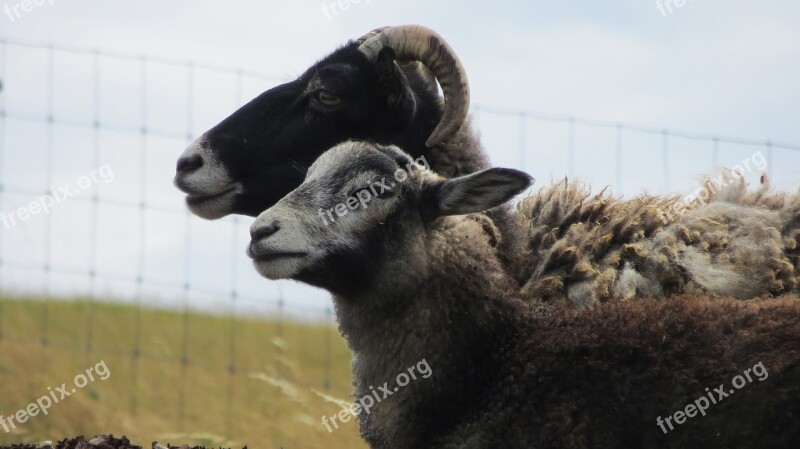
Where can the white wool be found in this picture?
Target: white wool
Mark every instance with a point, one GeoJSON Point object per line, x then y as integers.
{"type": "Point", "coordinates": [631, 284]}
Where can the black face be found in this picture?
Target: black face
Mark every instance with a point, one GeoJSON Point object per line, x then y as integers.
{"type": "Point", "coordinates": [250, 160]}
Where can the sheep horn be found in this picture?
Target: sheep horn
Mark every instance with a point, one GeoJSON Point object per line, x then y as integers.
{"type": "Point", "coordinates": [418, 43]}
{"type": "Point", "coordinates": [371, 34]}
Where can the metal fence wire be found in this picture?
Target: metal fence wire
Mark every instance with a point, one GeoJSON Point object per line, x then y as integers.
{"type": "Point", "coordinates": [67, 111]}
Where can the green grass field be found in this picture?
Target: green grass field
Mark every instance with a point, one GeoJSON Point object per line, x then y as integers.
{"type": "Point", "coordinates": [274, 398]}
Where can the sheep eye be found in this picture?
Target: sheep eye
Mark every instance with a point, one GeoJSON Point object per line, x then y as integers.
{"type": "Point", "coordinates": [328, 99]}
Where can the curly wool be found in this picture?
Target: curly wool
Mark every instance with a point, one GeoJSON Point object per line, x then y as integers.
{"type": "Point", "coordinates": [596, 248]}
{"type": "Point", "coordinates": [511, 374]}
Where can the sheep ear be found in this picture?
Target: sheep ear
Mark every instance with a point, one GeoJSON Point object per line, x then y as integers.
{"type": "Point", "coordinates": [396, 89]}
{"type": "Point", "coordinates": [479, 191]}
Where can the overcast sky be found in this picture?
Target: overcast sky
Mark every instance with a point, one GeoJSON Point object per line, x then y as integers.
{"type": "Point", "coordinates": [728, 67]}
{"type": "Point", "coordinates": [718, 68]}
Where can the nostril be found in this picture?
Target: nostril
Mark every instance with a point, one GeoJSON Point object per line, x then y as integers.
{"type": "Point", "coordinates": [264, 231]}
{"type": "Point", "coordinates": [188, 164]}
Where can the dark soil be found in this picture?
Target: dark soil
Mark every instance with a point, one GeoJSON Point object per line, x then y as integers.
{"type": "Point", "coordinates": [98, 442]}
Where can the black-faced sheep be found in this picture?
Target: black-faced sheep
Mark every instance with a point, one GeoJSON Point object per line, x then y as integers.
{"type": "Point", "coordinates": [381, 87]}
{"type": "Point", "coordinates": [413, 278]}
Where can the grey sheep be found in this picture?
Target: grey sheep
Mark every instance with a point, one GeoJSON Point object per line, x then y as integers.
{"type": "Point", "coordinates": [414, 275]}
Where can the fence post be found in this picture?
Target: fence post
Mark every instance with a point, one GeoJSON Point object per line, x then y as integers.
{"type": "Point", "coordinates": [93, 226]}
{"type": "Point", "coordinates": [3, 62]}
{"type": "Point", "coordinates": [769, 160]}
{"type": "Point", "coordinates": [618, 153]}
{"type": "Point", "coordinates": [715, 154]}
{"type": "Point", "coordinates": [665, 159]}
{"type": "Point", "coordinates": [522, 161]}
{"type": "Point", "coordinates": [571, 149]}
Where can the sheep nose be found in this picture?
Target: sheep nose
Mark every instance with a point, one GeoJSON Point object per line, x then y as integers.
{"type": "Point", "coordinates": [188, 164]}
{"type": "Point", "coordinates": [263, 232]}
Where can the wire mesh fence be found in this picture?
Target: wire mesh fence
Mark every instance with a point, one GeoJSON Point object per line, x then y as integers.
{"type": "Point", "coordinates": [91, 137]}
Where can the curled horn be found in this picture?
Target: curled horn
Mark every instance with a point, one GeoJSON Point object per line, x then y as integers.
{"type": "Point", "coordinates": [418, 43]}
{"type": "Point", "coordinates": [371, 34]}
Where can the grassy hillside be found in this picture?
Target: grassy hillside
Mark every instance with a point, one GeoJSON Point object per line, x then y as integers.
{"type": "Point", "coordinates": [281, 384]}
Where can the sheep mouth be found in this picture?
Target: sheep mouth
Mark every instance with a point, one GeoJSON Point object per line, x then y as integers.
{"type": "Point", "coordinates": [198, 199]}
{"type": "Point", "coordinates": [266, 257]}
{"type": "Point", "coordinates": [214, 206]}
{"type": "Point", "coordinates": [277, 264]}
